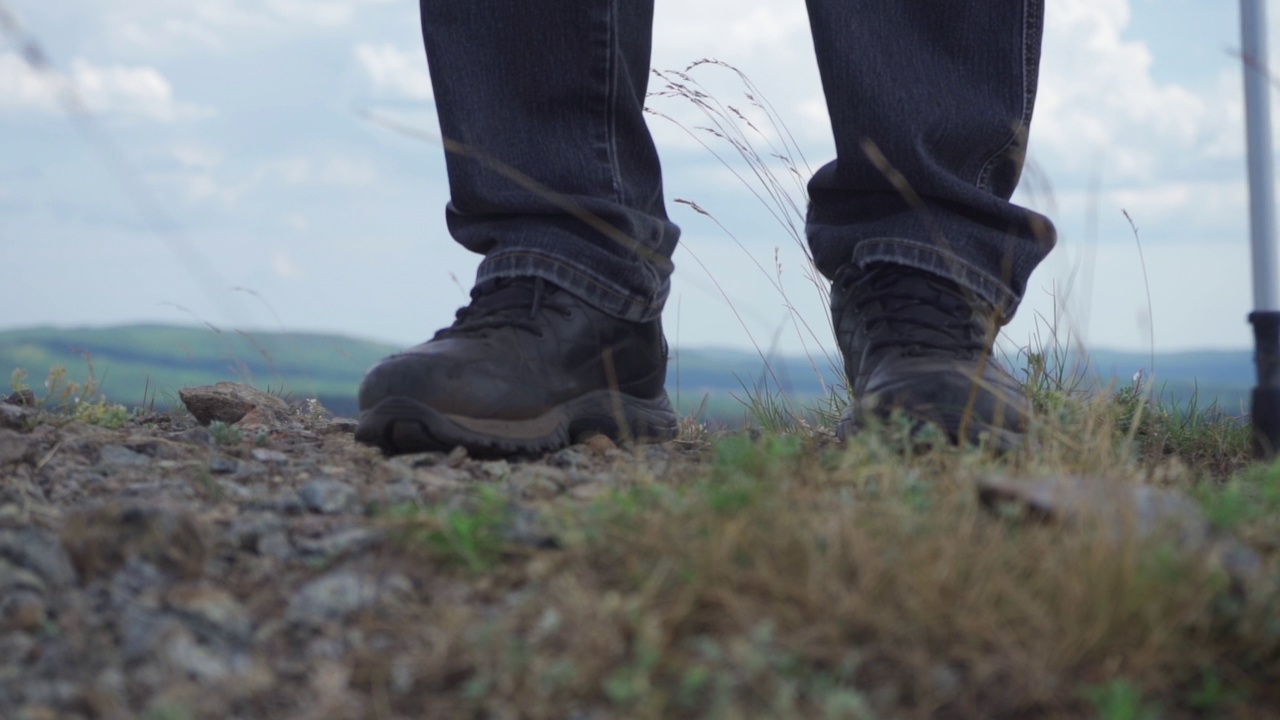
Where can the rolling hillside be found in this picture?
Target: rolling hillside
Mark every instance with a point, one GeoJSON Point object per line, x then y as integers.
{"type": "Point", "coordinates": [144, 364]}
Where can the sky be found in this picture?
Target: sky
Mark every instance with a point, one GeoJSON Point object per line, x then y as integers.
{"type": "Point", "coordinates": [235, 165]}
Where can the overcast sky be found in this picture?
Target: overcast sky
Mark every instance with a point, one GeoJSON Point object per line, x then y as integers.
{"type": "Point", "coordinates": [245, 122]}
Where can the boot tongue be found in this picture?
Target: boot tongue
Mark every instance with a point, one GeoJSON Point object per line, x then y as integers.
{"type": "Point", "coordinates": [920, 313]}
{"type": "Point", "coordinates": [499, 303]}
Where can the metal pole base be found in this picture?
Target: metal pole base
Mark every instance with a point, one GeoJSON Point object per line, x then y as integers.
{"type": "Point", "coordinates": [1265, 411]}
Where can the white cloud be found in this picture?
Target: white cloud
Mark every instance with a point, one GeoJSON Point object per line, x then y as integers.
{"type": "Point", "coordinates": [197, 158]}
{"type": "Point", "coordinates": [284, 266]}
{"type": "Point", "coordinates": [336, 171]}
{"type": "Point", "coordinates": [396, 72]}
{"type": "Point", "coordinates": [349, 172]}
{"type": "Point", "coordinates": [768, 42]}
{"type": "Point", "coordinates": [328, 13]}
{"type": "Point", "coordinates": [126, 90]}
{"type": "Point", "coordinates": [167, 33]}
{"type": "Point", "coordinates": [1098, 98]}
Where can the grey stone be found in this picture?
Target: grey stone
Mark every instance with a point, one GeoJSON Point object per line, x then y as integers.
{"type": "Point", "coordinates": [341, 593]}
{"type": "Point", "coordinates": [275, 545]}
{"type": "Point", "coordinates": [494, 469]}
{"type": "Point", "coordinates": [345, 426]}
{"type": "Point", "coordinates": [210, 612]}
{"type": "Point", "coordinates": [1117, 505]}
{"type": "Point", "coordinates": [198, 435]}
{"type": "Point", "coordinates": [339, 543]}
{"type": "Point", "coordinates": [285, 503]}
{"type": "Point", "coordinates": [13, 417]}
{"type": "Point", "coordinates": [329, 497]}
{"type": "Point", "coordinates": [1122, 509]}
{"type": "Point", "coordinates": [144, 630]}
{"type": "Point", "coordinates": [102, 539]}
{"type": "Point", "coordinates": [13, 446]}
{"type": "Point", "coordinates": [14, 579]}
{"type": "Point", "coordinates": [403, 491]}
{"type": "Point", "coordinates": [121, 456]}
{"type": "Point", "coordinates": [269, 456]}
{"type": "Point", "coordinates": [535, 488]}
{"type": "Point", "coordinates": [223, 465]}
{"type": "Point", "coordinates": [331, 597]}
{"type": "Point", "coordinates": [419, 460]}
{"type": "Point", "coordinates": [22, 398]}
{"type": "Point", "coordinates": [248, 529]}
{"type": "Point", "coordinates": [22, 610]}
{"type": "Point", "coordinates": [570, 457]}
{"type": "Point", "coordinates": [525, 526]}
{"type": "Point", "coordinates": [181, 651]}
{"type": "Point", "coordinates": [39, 551]}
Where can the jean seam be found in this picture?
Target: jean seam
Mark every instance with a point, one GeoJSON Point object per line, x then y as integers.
{"type": "Point", "coordinates": [1024, 120]}
{"type": "Point", "coordinates": [611, 96]}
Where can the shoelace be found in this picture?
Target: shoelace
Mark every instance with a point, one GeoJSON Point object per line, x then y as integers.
{"type": "Point", "coordinates": [505, 303]}
{"type": "Point", "coordinates": [914, 311]}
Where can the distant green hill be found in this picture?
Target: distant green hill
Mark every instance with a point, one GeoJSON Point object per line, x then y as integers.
{"type": "Point", "coordinates": [140, 364]}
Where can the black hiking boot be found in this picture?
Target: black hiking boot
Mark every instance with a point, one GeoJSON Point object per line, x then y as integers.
{"type": "Point", "coordinates": [525, 368]}
{"type": "Point", "coordinates": [917, 343]}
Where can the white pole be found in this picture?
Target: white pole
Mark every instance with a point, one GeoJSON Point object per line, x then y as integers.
{"type": "Point", "coordinates": [1264, 413]}
{"type": "Point", "coordinates": [1262, 196]}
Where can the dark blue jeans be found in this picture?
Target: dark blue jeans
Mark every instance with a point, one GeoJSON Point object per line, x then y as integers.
{"type": "Point", "coordinates": [553, 174]}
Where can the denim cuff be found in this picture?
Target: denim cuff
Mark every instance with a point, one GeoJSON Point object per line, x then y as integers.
{"type": "Point", "coordinates": [940, 261]}
{"type": "Point", "coordinates": [580, 280]}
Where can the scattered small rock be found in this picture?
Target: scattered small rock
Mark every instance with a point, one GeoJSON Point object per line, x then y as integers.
{"type": "Point", "coordinates": [222, 465]}
{"type": "Point", "coordinates": [103, 539]}
{"type": "Point", "coordinates": [329, 497]}
{"type": "Point", "coordinates": [13, 417]}
{"type": "Point", "coordinates": [22, 609]}
{"type": "Point", "coordinates": [39, 551]}
{"type": "Point", "coordinates": [150, 565]}
{"type": "Point", "coordinates": [13, 447]}
{"type": "Point", "coordinates": [339, 543]}
{"type": "Point", "coordinates": [1124, 509]}
{"type": "Point", "coordinates": [21, 398]}
{"type": "Point", "coordinates": [598, 444]}
{"type": "Point", "coordinates": [340, 593]}
{"type": "Point", "coordinates": [345, 426]}
{"type": "Point", "coordinates": [269, 456]}
{"type": "Point", "coordinates": [120, 455]}
{"type": "Point", "coordinates": [230, 402]}
{"type": "Point", "coordinates": [210, 609]}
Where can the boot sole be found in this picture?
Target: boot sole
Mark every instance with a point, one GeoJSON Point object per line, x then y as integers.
{"type": "Point", "coordinates": [401, 425]}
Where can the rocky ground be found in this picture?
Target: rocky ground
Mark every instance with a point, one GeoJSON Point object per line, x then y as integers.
{"type": "Point", "coordinates": [237, 560]}
{"type": "Point", "coordinates": [244, 557]}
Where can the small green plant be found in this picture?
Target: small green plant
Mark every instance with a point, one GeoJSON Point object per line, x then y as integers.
{"type": "Point", "coordinates": [102, 413]}
{"type": "Point", "coordinates": [18, 380]}
{"type": "Point", "coordinates": [471, 536]}
{"type": "Point", "coordinates": [1213, 696]}
{"type": "Point", "coordinates": [80, 402]}
{"type": "Point", "coordinates": [224, 434]}
{"type": "Point", "coordinates": [1120, 700]}
{"type": "Point", "coordinates": [167, 711]}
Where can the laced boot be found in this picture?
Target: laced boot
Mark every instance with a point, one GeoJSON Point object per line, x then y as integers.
{"type": "Point", "coordinates": [917, 343]}
{"type": "Point", "coordinates": [525, 368]}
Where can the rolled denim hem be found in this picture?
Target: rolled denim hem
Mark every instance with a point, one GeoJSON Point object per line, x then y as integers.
{"type": "Point", "coordinates": [579, 280]}
{"type": "Point", "coordinates": [942, 262]}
